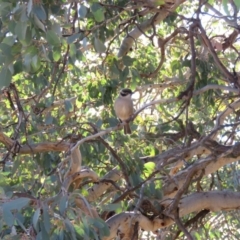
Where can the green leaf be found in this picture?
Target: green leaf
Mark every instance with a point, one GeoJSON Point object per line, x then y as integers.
{"type": "Point", "coordinates": [99, 46]}
{"type": "Point", "coordinates": [35, 218]}
{"type": "Point", "coordinates": [105, 231]}
{"type": "Point", "coordinates": [2, 193]}
{"type": "Point", "coordinates": [48, 119]}
{"type": "Point", "coordinates": [98, 12]}
{"type": "Point", "coordinates": [112, 121]}
{"type": "Point", "coordinates": [17, 67]}
{"type": "Point", "coordinates": [72, 51]}
{"type": "Point", "coordinates": [111, 207]}
{"type": "Point", "coordinates": [82, 11]}
{"type": "Point", "coordinates": [2, 59]}
{"type": "Point", "coordinates": [56, 27]}
{"type": "Point", "coordinates": [225, 6]}
{"type": "Point", "coordinates": [60, 235]}
{"type": "Point", "coordinates": [20, 220]}
{"type": "Point", "coordinates": [124, 74]}
{"type": "Point", "coordinates": [9, 40]}
{"type": "Point", "coordinates": [35, 62]}
{"type": "Point", "coordinates": [27, 62]}
{"type": "Point", "coordinates": [99, 15]}
{"type": "Point", "coordinates": [68, 106]}
{"type": "Point", "coordinates": [148, 169]}
{"type": "Point", "coordinates": [5, 77]}
{"type": "Point", "coordinates": [79, 230]}
{"type": "Point", "coordinates": [18, 203]}
{"type": "Point", "coordinates": [38, 23]}
{"type": "Point", "coordinates": [40, 12]}
{"type": "Point", "coordinates": [73, 37]}
{"type": "Point", "coordinates": [79, 55]}
{"type": "Point", "coordinates": [56, 53]}
{"type": "Point", "coordinates": [70, 228]}
{"type": "Point", "coordinates": [29, 7]}
{"type": "Point", "coordinates": [46, 219]}
{"type": "Point", "coordinates": [237, 2]}
{"type": "Point", "coordinates": [97, 223]}
{"type": "Point", "coordinates": [45, 234]}
{"type": "Point", "coordinates": [28, 37]}
{"type": "Point", "coordinates": [128, 61]}
{"type": "Point", "coordinates": [53, 38]}
{"type": "Point", "coordinates": [95, 7]}
{"type": "Point", "coordinates": [7, 216]}
{"type": "Point", "coordinates": [5, 8]}
{"type": "Point", "coordinates": [5, 48]}
{"type": "Point", "coordinates": [100, 225]}
{"type": "Point", "coordinates": [63, 204]}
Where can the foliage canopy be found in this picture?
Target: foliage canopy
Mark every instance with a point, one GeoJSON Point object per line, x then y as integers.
{"type": "Point", "coordinates": [67, 170]}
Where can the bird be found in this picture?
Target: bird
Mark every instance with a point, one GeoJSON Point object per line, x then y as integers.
{"type": "Point", "coordinates": [123, 107]}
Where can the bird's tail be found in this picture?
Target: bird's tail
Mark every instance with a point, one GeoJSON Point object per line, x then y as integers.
{"type": "Point", "coordinates": [127, 129]}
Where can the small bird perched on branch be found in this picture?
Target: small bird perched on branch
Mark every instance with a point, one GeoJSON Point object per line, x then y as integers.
{"type": "Point", "coordinates": [123, 107]}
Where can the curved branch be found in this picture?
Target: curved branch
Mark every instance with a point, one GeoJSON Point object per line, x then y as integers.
{"type": "Point", "coordinates": [64, 146]}
{"type": "Point", "coordinates": [145, 26]}
{"type": "Point", "coordinates": [123, 222]}
{"type": "Point", "coordinates": [100, 188]}
{"type": "Point", "coordinates": [221, 117]}
{"type": "Point", "coordinates": [7, 141]}
{"type": "Point", "coordinates": [220, 65]}
{"type": "Point", "coordinates": [58, 104]}
{"type": "Point", "coordinates": [44, 147]}
{"type": "Point", "coordinates": [75, 163]}
{"type": "Point", "coordinates": [213, 201]}
{"type": "Point", "coordinates": [84, 173]}
{"type": "Point", "coordinates": [210, 164]}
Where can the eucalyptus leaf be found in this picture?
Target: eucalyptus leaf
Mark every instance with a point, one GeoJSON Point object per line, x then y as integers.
{"type": "Point", "coordinates": [112, 121]}
{"type": "Point", "coordinates": [39, 236]}
{"type": "Point", "coordinates": [2, 59]}
{"type": "Point", "coordinates": [5, 48]}
{"type": "Point", "coordinates": [49, 119]}
{"type": "Point", "coordinates": [39, 23]}
{"type": "Point", "coordinates": [53, 38]}
{"type": "Point", "coordinates": [5, 77]}
{"type": "Point", "coordinates": [124, 74]}
{"type": "Point", "coordinates": [225, 6]}
{"type": "Point", "coordinates": [39, 11]}
{"type": "Point", "coordinates": [56, 54]}
{"type": "Point", "coordinates": [35, 219]}
{"type": "Point", "coordinates": [63, 204]}
{"type": "Point", "coordinates": [70, 228]}
{"type": "Point", "coordinates": [46, 218]}
{"type": "Point", "coordinates": [99, 46]}
{"type": "Point", "coordinates": [148, 169]}
{"type": "Point", "coordinates": [73, 50]}
{"type": "Point", "coordinates": [18, 203]}
{"type": "Point", "coordinates": [73, 37]}
{"type": "Point", "coordinates": [35, 62]}
{"type": "Point", "coordinates": [61, 235]}
{"type": "Point", "coordinates": [68, 106]}
{"type": "Point", "coordinates": [9, 40]}
{"type": "Point", "coordinates": [82, 11]}
{"type": "Point", "coordinates": [99, 15]}
{"type": "Point", "coordinates": [112, 207]}
{"type": "Point", "coordinates": [7, 216]}
{"type": "Point", "coordinates": [56, 27]}
{"type": "Point", "coordinates": [20, 223]}
{"type": "Point", "coordinates": [237, 2]}
{"type": "Point", "coordinates": [17, 67]}
{"type": "Point", "coordinates": [128, 61]}
{"type": "Point", "coordinates": [29, 7]}
{"type": "Point", "coordinates": [45, 234]}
